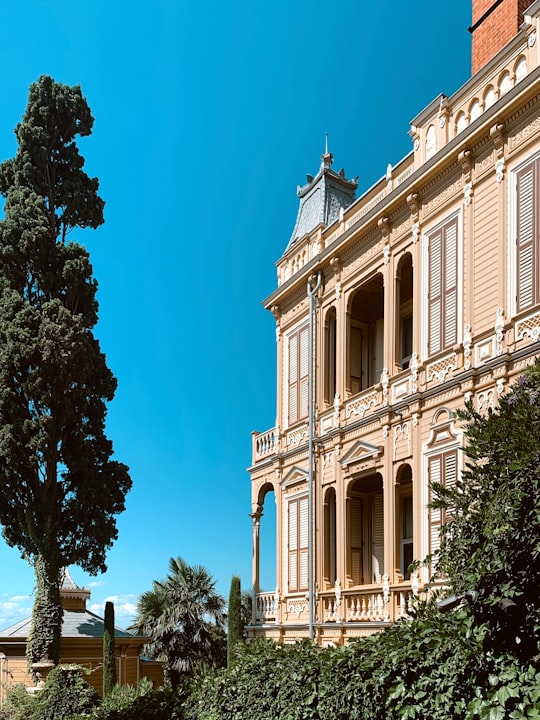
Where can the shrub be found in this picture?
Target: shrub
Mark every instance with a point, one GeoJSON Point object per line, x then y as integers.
{"type": "Point", "coordinates": [65, 695]}
{"type": "Point", "coordinates": [18, 704]}
{"type": "Point", "coordinates": [143, 704]}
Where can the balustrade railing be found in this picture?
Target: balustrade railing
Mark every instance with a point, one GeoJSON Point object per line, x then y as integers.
{"type": "Point", "coordinates": [266, 606]}
{"type": "Point", "coordinates": [264, 444]}
{"type": "Point", "coordinates": [372, 603]}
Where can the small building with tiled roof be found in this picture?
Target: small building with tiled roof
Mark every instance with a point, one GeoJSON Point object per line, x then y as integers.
{"type": "Point", "coordinates": [82, 644]}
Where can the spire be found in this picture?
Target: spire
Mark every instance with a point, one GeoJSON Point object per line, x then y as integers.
{"type": "Point", "coordinates": [327, 158]}
{"type": "Point", "coordinates": [323, 197]}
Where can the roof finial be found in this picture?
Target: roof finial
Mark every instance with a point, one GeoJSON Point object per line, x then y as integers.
{"type": "Point", "coordinates": [327, 158]}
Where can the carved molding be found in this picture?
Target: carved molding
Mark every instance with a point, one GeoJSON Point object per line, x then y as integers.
{"type": "Point", "coordinates": [297, 437]}
{"type": "Point", "coordinates": [528, 327]}
{"type": "Point", "coordinates": [497, 136]}
{"type": "Point", "coordinates": [440, 369]}
{"type": "Point", "coordinates": [360, 406]}
{"type": "Point", "coordinates": [465, 160]}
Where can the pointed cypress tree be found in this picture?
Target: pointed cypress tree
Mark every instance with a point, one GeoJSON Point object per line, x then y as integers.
{"type": "Point", "coordinates": [109, 660]}
{"type": "Point", "coordinates": [60, 489]}
{"type": "Point", "coordinates": [235, 625]}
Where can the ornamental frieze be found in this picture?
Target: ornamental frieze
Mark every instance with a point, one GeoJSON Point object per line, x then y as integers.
{"type": "Point", "coordinates": [441, 197]}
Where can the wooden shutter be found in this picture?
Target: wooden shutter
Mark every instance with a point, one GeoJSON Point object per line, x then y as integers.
{"type": "Point", "coordinates": [443, 286]}
{"type": "Point", "coordinates": [378, 358]}
{"type": "Point", "coordinates": [435, 476]}
{"type": "Point", "coordinates": [298, 374]}
{"type": "Point", "coordinates": [357, 560]}
{"type": "Point", "coordinates": [293, 545]}
{"type": "Point", "coordinates": [450, 283]}
{"type": "Point", "coordinates": [298, 544]}
{"type": "Point", "coordinates": [377, 550]}
{"type": "Point", "coordinates": [303, 544]}
{"type": "Point", "coordinates": [356, 359]}
{"type": "Point", "coordinates": [435, 250]}
{"type": "Point", "coordinates": [303, 364]}
{"type": "Point", "coordinates": [442, 469]}
{"type": "Point", "coordinates": [293, 378]}
{"type": "Point", "coordinates": [527, 231]}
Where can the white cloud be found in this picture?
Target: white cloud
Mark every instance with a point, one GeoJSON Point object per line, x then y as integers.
{"type": "Point", "coordinates": [125, 607]}
{"type": "Point", "coordinates": [14, 609]}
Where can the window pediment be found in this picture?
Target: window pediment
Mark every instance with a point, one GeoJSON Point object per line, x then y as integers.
{"type": "Point", "coordinates": [295, 476]}
{"type": "Point", "coordinates": [361, 453]}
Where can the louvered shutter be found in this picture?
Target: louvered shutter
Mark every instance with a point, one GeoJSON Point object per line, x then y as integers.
{"type": "Point", "coordinates": [443, 286]}
{"type": "Point", "coordinates": [378, 360]}
{"type": "Point", "coordinates": [298, 544]}
{"type": "Point", "coordinates": [356, 359]}
{"type": "Point", "coordinates": [293, 378]}
{"type": "Point", "coordinates": [450, 284]}
{"type": "Point", "coordinates": [303, 364]}
{"type": "Point", "coordinates": [293, 545]}
{"type": "Point", "coordinates": [435, 249]}
{"type": "Point", "coordinates": [355, 518]}
{"type": "Point", "coordinates": [435, 476]}
{"type": "Point", "coordinates": [378, 538]}
{"type": "Point", "coordinates": [298, 374]}
{"type": "Point", "coordinates": [442, 469]}
{"type": "Point", "coordinates": [526, 236]}
{"type": "Point", "coordinates": [450, 468]}
{"type": "Point", "coordinates": [303, 542]}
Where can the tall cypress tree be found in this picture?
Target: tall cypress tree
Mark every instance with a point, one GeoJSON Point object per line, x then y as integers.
{"type": "Point", "coordinates": [235, 626]}
{"type": "Point", "coordinates": [109, 660]}
{"type": "Point", "coordinates": [60, 489]}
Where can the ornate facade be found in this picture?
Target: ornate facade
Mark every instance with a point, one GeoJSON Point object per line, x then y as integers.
{"type": "Point", "coordinates": [391, 310]}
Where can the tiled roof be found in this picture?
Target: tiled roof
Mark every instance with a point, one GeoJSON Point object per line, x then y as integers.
{"type": "Point", "coordinates": [76, 623]}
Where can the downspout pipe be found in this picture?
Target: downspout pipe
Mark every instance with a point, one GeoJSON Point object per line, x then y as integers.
{"type": "Point", "coordinates": [312, 294]}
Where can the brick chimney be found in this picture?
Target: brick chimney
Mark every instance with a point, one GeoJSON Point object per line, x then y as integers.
{"type": "Point", "coordinates": [494, 24]}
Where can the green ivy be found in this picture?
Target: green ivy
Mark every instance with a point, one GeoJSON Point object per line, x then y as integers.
{"type": "Point", "coordinates": [66, 694]}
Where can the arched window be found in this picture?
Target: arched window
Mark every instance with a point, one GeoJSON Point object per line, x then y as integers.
{"type": "Point", "coordinates": [404, 296]}
{"type": "Point", "coordinates": [521, 69]}
{"type": "Point", "coordinates": [490, 98]}
{"type": "Point", "coordinates": [505, 83]}
{"type": "Point", "coordinates": [461, 122]}
{"type": "Point", "coordinates": [475, 110]}
{"type": "Point", "coordinates": [330, 357]}
{"type": "Point", "coordinates": [431, 142]}
{"type": "Point", "coordinates": [330, 537]}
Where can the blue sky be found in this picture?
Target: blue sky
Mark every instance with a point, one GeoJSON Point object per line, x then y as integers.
{"type": "Point", "coordinates": [207, 117]}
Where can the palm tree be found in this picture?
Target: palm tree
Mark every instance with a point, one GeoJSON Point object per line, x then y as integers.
{"type": "Point", "coordinates": [183, 618]}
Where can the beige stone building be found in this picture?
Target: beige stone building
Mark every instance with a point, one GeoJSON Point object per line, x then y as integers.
{"type": "Point", "coordinates": [391, 309]}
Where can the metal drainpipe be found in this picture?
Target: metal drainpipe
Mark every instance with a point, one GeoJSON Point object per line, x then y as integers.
{"type": "Point", "coordinates": [311, 290]}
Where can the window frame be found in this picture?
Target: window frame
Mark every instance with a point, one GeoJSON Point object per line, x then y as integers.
{"type": "Point", "coordinates": [297, 381]}
{"type": "Point", "coordinates": [445, 345]}
{"type": "Point", "coordinates": [299, 553]}
{"type": "Point", "coordinates": [513, 236]}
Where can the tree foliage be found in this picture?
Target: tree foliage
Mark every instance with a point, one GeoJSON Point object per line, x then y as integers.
{"type": "Point", "coordinates": [183, 618]}
{"type": "Point", "coordinates": [492, 543]}
{"type": "Point", "coordinates": [61, 489]}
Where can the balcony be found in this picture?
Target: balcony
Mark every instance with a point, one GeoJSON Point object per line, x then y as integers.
{"type": "Point", "coordinates": [380, 603]}
{"type": "Point", "coordinates": [263, 444]}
